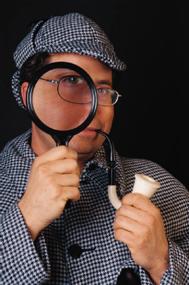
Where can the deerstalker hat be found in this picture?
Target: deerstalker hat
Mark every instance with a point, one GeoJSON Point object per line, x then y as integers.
{"type": "Point", "coordinates": [70, 33]}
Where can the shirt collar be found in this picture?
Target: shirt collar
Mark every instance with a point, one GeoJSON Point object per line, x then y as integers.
{"type": "Point", "coordinates": [21, 149]}
{"type": "Point", "coordinates": [99, 161]}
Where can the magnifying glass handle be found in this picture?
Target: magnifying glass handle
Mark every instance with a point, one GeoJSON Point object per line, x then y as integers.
{"type": "Point", "coordinates": [62, 140]}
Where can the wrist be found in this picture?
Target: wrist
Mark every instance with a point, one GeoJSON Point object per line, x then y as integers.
{"type": "Point", "coordinates": [156, 273]}
{"type": "Point", "coordinates": [30, 220]}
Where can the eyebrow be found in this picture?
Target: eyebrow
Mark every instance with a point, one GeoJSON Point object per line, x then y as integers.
{"type": "Point", "coordinates": [62, 73]}
{"type": "Point", "coordinates": [104, 82]}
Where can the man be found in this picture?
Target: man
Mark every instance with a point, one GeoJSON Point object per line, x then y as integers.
{"type": "Point", "coordinates": [45, 242]}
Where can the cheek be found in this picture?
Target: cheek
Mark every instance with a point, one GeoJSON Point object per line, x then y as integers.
{"type": "Point", "coordinates": [106, 118]}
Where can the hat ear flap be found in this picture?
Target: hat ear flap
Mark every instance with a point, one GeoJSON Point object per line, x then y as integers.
{"type": "Point", "coordinates": [16, 89]}
{"type": "Point", "coordinates": [35, 30]}
{"type": "Point", "coordinates": [27, 47]}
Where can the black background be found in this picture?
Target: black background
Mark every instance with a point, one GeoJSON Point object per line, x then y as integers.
{"type": "Point", "coordinates": [151, 37]}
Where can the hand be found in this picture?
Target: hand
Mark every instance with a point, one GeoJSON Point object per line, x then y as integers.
{"type": "Point", "coordinates": [138, 224]}
{"type": "Point", "coordinates": [54, 179]}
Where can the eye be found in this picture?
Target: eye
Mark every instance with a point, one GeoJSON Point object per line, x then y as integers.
{"type": "Point", "coordinates": [104, 91]}
{"type": "Point", "coordinates": [101, 90]}
{"type": "Point", "coordinates": [72, 80]}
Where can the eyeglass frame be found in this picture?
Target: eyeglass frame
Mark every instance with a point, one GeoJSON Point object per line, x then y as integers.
{"type": "Point", "coordinates": [57, 82]}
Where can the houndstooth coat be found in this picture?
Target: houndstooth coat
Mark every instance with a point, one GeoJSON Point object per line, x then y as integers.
{"type": "Point", "coordinates": [87, 223]}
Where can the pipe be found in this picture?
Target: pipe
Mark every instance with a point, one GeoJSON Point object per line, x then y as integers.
{"type": "Point", "coordinates": [143, 184]}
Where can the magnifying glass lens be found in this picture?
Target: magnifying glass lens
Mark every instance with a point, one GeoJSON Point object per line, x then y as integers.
{"type": "Point", "coordinates": [62, 99]}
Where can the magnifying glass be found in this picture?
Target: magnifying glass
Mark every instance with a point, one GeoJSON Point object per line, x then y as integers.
{"type": "Point", "coordinates": [61, 100]}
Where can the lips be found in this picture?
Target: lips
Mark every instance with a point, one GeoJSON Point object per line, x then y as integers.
{"type": "Point", "coordinates": [92, 129]}
{"type": "Point", "coordinates": [89, 132]}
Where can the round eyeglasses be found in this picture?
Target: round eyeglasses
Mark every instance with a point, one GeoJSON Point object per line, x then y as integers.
{"type": "Point", "coordinates": [72, 88]}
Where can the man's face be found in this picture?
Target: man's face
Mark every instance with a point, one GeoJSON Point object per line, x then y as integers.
{"type": "Point", "coordinates": [88, 141]}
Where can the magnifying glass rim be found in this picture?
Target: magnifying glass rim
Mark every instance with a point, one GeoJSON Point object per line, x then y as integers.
{"type": "Point", "coordinates": [29, 101]}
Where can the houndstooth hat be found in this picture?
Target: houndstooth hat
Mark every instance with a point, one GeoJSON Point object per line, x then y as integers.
{"type": "Point", "coordinates": [71, 33]}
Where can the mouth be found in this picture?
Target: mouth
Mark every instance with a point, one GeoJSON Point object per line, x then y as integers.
{"type": "Point", "coordinates": [90, 132]}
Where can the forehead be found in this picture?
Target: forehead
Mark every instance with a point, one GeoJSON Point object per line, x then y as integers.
{"type": "Point", "coordinates": [94, 67]}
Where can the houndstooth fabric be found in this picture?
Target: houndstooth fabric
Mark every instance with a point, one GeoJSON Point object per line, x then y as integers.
{"type": "Point", "coordinates": [88, 223]}
{"type": "Point", "coordinates": [71, 33]}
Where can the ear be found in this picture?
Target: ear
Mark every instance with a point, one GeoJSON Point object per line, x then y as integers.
{"type": "Point", "coordinates": [24, 88]}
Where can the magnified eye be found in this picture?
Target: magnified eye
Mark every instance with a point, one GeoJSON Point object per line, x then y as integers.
{"type": "Point", "coordinates": [71, 80]}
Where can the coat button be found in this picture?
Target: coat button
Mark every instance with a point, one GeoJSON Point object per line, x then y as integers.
{"type": "Point", "coordinates": [76, 251]}
{"type": "Point", "coordinates": [128, 276]}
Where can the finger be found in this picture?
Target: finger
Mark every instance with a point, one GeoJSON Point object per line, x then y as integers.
{"type": "Point", "coordinates": [127, 224]}
{"type": "Point", "coordinates": [66, 179]}
{"type": "Point", "coordinates": [70, 193]}
{"type": "Point", "coordinates": [66, 165]}
{"type": "Point", "coordinates": [133, 213]}
{"type": "Point", "coordinates": [139, 201]}
{"type": "Point", "coordinates": [124, 236]}
{"type": "Point", "coordinates": [59, 152]}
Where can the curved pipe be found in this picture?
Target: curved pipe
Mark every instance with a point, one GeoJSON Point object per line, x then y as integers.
{"type": "Point", "coordinates": [112, 195]}
{"type": "Point", "coordinates": [143, 184]}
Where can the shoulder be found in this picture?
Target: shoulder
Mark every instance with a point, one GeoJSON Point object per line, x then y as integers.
{"type": "Point", "coordinates": [16, 146]}
{"type": "Point", "coordinates": [142, 165]}
{"type": "Point", "coordinates": [16, 156]}
{"type": "Point", "coordinates": [153, 169]}
{"type": "Point", "coordinates": [16, 141]}
{"type": "Point", "coordinates": [15, 163]}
